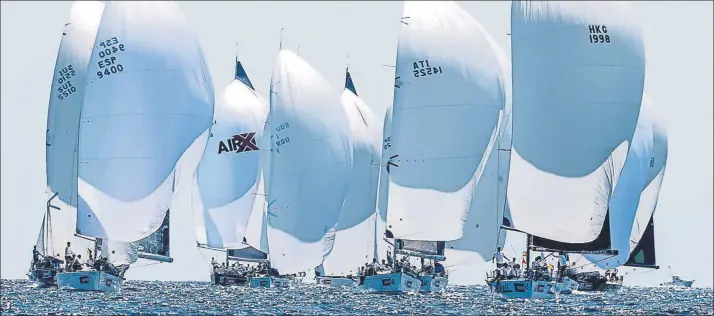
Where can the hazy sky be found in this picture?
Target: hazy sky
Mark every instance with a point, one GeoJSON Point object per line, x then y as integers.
{"type": "Point", "coordinates": [678, 36]}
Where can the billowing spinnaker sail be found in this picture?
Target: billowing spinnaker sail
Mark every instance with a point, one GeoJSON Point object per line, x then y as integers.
{"type": "Point", "coordinates": [626, 197]}
{"type": "Point", "coordinates": [354, 243]}
{"type": "Point", "coordinates": [642, 233]}
{"type": "Point", "coordinates": [68, 85]}
{"type": "Point", "coordinates": [227, 175]}
{"type": "Point", "coordinates": [310, 165]}
{"type": "Point", "coordinates": [578, 75]}
{"type": "Point", "coordinates": [383, 189]}
{"type": "Point", "coordinates": [64, 108]}
{"type": "Point", "coordinates": [148, 97]}
{"type": "Point", "coordinates": [447, 99]}
{"type": "Point", "coordinates": [119, 253]}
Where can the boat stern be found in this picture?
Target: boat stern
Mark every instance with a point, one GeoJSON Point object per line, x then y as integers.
{"type": "Point", "coordinates": [89, 281]}
{"type": "Point", "coordinates": [431, 283]}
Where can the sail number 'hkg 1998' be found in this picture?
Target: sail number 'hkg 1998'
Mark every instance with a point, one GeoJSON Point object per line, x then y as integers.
{"type": "Point", "coordinates": [108, 63]}
{"type": "Point", "coordinates": [598, 34]}
{"type": "Point", "coordinates": [422, 68]}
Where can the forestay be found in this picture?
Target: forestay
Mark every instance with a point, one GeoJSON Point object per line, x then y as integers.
{"type": "Point", "coordinates": [447, 102]}
{"type": "Point", "coordinates": [578, 76]}
{"type": "Point", "coordinates": [130, 143]}
{"type": "Point", "coordinates": [227, 176]}
{"type": "Point", "coordinates": [68, 85]}
{"type": "Point", "coordinates": [354, 242]}
{"type": "Point", "coordinates": [310, 164]}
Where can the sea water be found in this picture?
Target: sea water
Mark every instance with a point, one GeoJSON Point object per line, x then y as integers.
{"type": "Point", "coordinates": [23, 297]}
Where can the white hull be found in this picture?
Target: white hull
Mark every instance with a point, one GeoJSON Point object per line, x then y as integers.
{"type": "Point", "coordinates": [525, 289]}
{"type": "Point", "coordinates": [265, 282]}
{"type": "Point", "coordinates": [392, 283]}
{"type": "Point", "coordinates": [430, 283]}
{"type": "Point", "coordinates": [336, 281]}
{"type": "Point", "coordinates": [89, 281]}
{"type": "Point", "coordinates": [676, 282]}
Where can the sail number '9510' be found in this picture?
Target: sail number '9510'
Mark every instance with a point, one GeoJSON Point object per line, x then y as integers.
{"type": "Point", "coordinates": [422, 68]}
{"type": "Point", "coordinates": [107, 53]}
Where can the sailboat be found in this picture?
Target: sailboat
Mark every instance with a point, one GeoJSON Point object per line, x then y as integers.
{"type": "Point", "coordinates": [632, 206]}
{"type": "Point", "coordinates": [308, 173]}
{"type": "Point", "coordinates": [354, 242]}
{"type": "Point", "coordinates": [128, 171]}
{"type": "Point", "coordinates": [62, 121]}
{"type": "Point", "coordinates": [577, 67]}
{"type": "Point", "coordinates": [448, 98]}
{"type": "Point", "coordinates": [226, 180]}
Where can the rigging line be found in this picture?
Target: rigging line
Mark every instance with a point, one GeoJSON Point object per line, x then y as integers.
{"type": "Point", "coordinates": [593, 263]}
{"type": "Point", "coordinates": [148, 264]}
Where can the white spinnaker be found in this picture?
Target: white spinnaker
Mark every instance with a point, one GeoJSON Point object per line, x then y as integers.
{"type": "Point", "coordinates": [227, 176]}
{"type": "Point", "coordinates": [631, 183]}
{"type": "Point", "coordinates": [655, 175]}
{"type": "Point", "coordinates": [149, 96]}
{"type": "Point", "coordinates": [354, 242]}
{"type": "Point", "coordinates": [383, 188]}
{"type": "Point", "coordinates": [310, 163]}
{"type": "Point", "coordinates": [447, 103]}
{"type": "Point", "coordinates": [68, 84]}
{"type": "Point", "coordinates": [119, 253]}
{"type": "Point", "coordinates": [576, 99]}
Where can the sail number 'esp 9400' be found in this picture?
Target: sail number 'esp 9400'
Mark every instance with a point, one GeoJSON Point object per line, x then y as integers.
{"type": "Point", "coordinates": [108, 62]}
{"type": "Point", "coordinates": [598, 34]}
{"type": "Point", "coordinates": [422, 68]}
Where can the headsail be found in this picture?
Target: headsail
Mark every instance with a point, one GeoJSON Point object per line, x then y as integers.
{"type": "Point", "coordinates": [310, 164]}
{"type": "Point", "coordinates": [578, 76]}
{"type": "Point", "coordinates": [227, 176]}
{"type": "Point", "coordinates": [447, 103]}
{"type": "Point", "coordinates": [127, 163]}
{"type": "Point", "coordinates": [354, 242]}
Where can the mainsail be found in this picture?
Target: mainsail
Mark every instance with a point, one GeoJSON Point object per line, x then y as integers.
{"type": "Point", "coordinates": [578, 76]}
{"type": "Point", "coordinates": [382, 191]}
{"type": "Point", "coordinates": [354, 240]}
{"type": "Point", "coordinates": [130, 143]}
{"type": "Point", "coordinates": [310, 164]}
{"type": "Point", "coordinates": [447, 102]}
{"type": "Point", "coordinates": [228, 175]}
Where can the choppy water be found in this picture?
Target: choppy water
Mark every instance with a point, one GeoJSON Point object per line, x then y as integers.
{"type": "Point", "coordinates": [22, 297]}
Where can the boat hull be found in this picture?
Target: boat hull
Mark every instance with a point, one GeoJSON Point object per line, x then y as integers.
{"type": "Point", "coordinates": [336, 281]}
{"type": "Point", "coordinates": [392, 283]}
{"type": "Point", "coordinates": [89, 281]}
{"type": "Point", "coordinates": [525, 289]}
{"type": "Point", "coordinates": [44, 277]}
{"type": "Point", "coordinates": [431, 283]}
{"type": "Point", "coordinates": [266, 282]}
{"type": "Point", "coordinates": [228, 279]}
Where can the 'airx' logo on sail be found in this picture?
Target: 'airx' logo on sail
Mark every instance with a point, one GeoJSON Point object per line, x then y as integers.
{"type": "Point", "coordinates": [238, 143]}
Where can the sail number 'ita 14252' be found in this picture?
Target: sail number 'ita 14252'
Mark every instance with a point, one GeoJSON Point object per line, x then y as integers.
{"type": "Point", "coordinates": [423, 68]}
{"type": "Point", "coordinates": [65, 86]}
{"type": "Point", "coordinates": [109, 62]}
{"type": "Point", "coordinates": [598, 34]}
